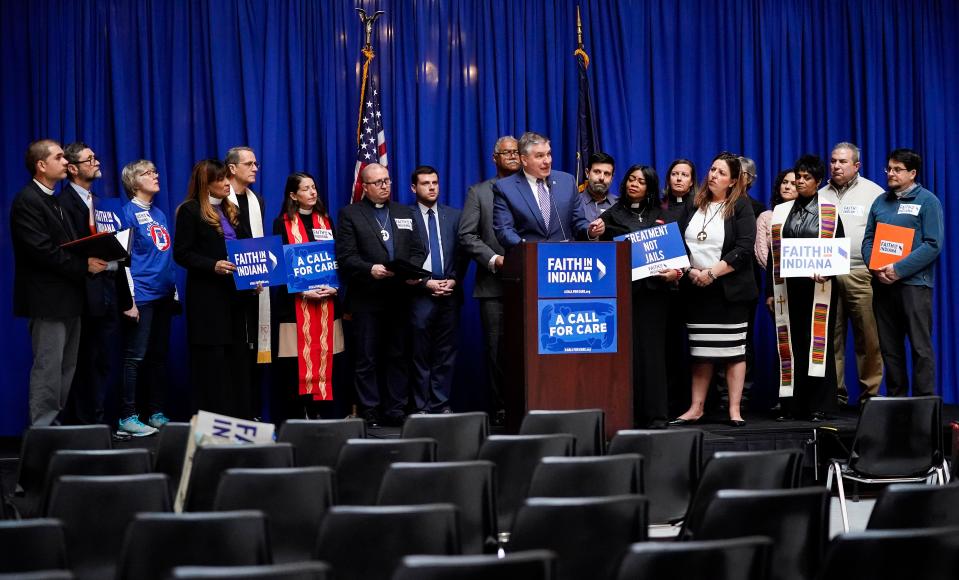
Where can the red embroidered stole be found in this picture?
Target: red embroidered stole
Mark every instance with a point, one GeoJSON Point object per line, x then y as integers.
{"type": "Point", "coordinates": [314, 326]}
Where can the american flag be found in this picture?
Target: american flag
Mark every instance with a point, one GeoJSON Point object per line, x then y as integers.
{"type": "Point", "coordinates": [370, 138]}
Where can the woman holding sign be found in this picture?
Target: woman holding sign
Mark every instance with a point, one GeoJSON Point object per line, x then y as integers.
{"type": "Point", "coordinates": [638, 208]}
{"type": "Point", "coordinates": [305, 320]}
{"type": "Point", "coordinates": [719, 229]}
{"type": "Point", "coordinates": [215, 310]}
{"type": "Point", "coordinates": [804, 308]}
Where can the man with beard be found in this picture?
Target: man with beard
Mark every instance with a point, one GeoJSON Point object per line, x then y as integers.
{"type": "Point", "coordinates": [599, 174]}
{"type": "Point", "coordinates": [479, 242]}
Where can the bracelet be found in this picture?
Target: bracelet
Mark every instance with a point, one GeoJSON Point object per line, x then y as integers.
{"type": "Point", "coordinates": [710, 274]}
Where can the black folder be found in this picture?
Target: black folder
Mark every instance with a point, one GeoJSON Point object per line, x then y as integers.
{"type": "Point", "coordinates": [103, 245]}
{"type": "Point", "coordinates": [406, 270]}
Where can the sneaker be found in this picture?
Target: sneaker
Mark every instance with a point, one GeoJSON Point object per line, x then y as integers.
{"type": "Point", "coordinates": [157, 420]}
{"type": "Point", "coordinates": [135, 428]}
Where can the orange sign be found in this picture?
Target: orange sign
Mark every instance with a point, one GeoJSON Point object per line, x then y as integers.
{"type": "Point", "coordinates": [891, 244]}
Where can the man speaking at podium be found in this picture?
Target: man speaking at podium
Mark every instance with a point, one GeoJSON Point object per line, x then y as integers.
{"type": "Point", "coordinates": [538, 204]}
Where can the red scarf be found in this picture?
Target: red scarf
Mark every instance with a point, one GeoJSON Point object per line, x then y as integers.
{"type": "Point", "coordinates": [314, 325]}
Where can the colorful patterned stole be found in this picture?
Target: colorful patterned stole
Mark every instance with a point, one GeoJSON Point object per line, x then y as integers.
{"type": "Point", "coordinates": [314, 326]}
{"type": "Point", "coordinates": [819, 324]}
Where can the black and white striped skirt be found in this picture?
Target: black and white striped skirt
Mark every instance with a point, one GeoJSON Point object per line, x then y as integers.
{"type": "Point", "coordinates": [716, 327]}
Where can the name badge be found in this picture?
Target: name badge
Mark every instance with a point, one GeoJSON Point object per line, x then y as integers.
{"type": "Point", "coordinates": [853, 210]}
{"type": "Point", "coordinates": [144, 217]}
{"type": "Point", "coordinates": [909, 208]}
{"type": "Point", "coordinates": [322, 234]}
{"type": "Point", "coordinates": [404, 224]}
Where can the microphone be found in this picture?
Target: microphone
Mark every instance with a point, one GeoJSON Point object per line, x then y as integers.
{"type": "Point", "coordinates": [553, 208]}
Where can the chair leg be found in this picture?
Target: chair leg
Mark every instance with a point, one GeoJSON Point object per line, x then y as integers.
{"type": "Point", "coordinates": [834, 467]}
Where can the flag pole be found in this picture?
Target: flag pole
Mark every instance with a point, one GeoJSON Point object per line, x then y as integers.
{"type": "Point", "coordinates": [369, 55]}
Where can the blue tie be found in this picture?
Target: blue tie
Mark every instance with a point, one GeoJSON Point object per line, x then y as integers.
{"type": "Point", "coordinates": [436, 254]}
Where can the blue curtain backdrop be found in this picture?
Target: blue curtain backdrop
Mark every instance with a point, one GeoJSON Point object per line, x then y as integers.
{"type": "Point", "coordinates": [175, 81]}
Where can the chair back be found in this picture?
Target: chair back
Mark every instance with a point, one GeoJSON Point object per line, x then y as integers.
{"type": "Point", "coordinates": [587, 476]}
{"type": "Point", "coordinates": [171, 450]}
{"type": "Point", "coordinates": [289, 571]}
{"type": "Point", "coordinates": [741, 470]}
{"type": "Point", "coordinates": [39, 445]}
{"type": "Point", "coordinates": [318, 441]}
{"type": "Point", "coordinates": [210, 461]}
{"type": "Point", "coordinates": [736, 559]}
{"type": "Point", "coordinates": [39, 575]}
{"type": "Point", "coordinates": [96, 462]}
{"type": "Point", "coordinates": [458, 435]}
{"type": "Point", "coordinates": [157, 543]}
{"type": "Point", "coordinates": [589, 535]}
{"type": "Point", "coordinates": [898, 437]}
{"type": "Point", "coordinates": [930, 554]}
{"type": "Point", "coordinates": [672, 460]}
{"type": "Point", "coordinates": [530, 565]}
{"type": "Point", "coordinates": [914, 505]}
{"type": "Point", "coordinates": [516, 458]}
{"type": "Point", "coordinates": [796, 520]}
{"type": "Point", "coordinates": [466, 484]}
{"type": "Point", "coordinates": [363, 462]}
{"type": "Point", "coordinates": [96, 510]}
{"type": "Point", "coordinates": [32, 545]}
{"type": "Point", "coordinates": [587, 426]}
{"type": "Point", "coordinates": [294, 500]}
{"type": "Point", "coordinates": [368, 542]}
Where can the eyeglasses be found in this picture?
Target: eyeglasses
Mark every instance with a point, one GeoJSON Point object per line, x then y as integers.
{"type": "Point", "coordinates": [150, 172]}
{"type": "Point", "coordinates": [93, 159]}
{"type": "Point", "coordinates": [508, 153]}
{"type": "Point", "coordinates": [250, 164]}
{"type": "Point", "coordinates": [385, 182]}
{"type": "Point", "coordinates": [895, 170]}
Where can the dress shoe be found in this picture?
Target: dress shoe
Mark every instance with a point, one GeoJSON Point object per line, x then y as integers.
{"type": "Point", "coordinates": [818, 417]}
{"type": "Point", "coordinates": [657, 424]}
{"type": "Point", "coordinates": [737, 423]}
{"type": "Point", "coordinates": [371, 418]}
{"type": "Point", "coordinates": [499, 419]}
{"type": "Point", "coordinates": [679, 422]}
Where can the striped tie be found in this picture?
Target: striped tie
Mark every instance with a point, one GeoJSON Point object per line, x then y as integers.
{"type": "Point", "coordinates": [544, 202]}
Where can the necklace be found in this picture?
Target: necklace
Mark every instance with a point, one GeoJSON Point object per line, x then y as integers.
{"type": "Point", "coordinates": [638, 215]}
{"type": "Point", "coordinates": [384, 233]}
{"type": "Point", "coordinates": [701, 236]}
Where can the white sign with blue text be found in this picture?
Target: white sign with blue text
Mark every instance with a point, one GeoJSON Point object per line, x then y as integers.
{"type": "Point", "coordinates": [257, 261]}
{"type": "Point", "coordinates": [577, 326]}
{"type": "Point", "coordinates": [656, 249]}
{"type": "Point", "coordinates": [805, 257]}
{"type": "Point", "coordinates": [582, 270]}
{"type": "Point", "coordinates": [310, 266]}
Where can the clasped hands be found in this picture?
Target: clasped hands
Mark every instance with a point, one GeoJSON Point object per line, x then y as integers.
{"type": "Point", "coordinates": [319, 293]}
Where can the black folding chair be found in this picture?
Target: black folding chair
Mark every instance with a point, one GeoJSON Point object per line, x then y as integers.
{"type": "Point", "coordinates": [458, 435]}
{"type": "Point", "coordinates": [672, 464]}
{"type": "Point", "coordinates": [171, 451]}
{"type": "Point", "coordinates": [531, 565]}
{"type": "Point", "coordinates": [211, 461]}
{"type": "Point", "coordinates": [587, 426]}
{"type": "Point", "coordinates": [898, 440]}
{"type": "Point", "coordinates": [362, 463]}
{"type": "Point", "coordinates": [930, 554]}
{"type": "Point", "coordinates": [290, 571]}
{"type": "Point", "coordinates": [737, 559]}
{"type": "Point", "coordinates": [95, 462]}
{"type": "Point", "coordinates": [318, 441]}
{"type": "Point", "coordinates": [587, 476]}
{"type": "Point", "coordinates": [32, 545]}
{"type": "Point", "coordinates": [909, 505]}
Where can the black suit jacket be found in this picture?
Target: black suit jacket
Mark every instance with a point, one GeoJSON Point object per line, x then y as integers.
{"type": "Point", "coordinates": [48, 280]}
{"type": "Point", "coordinates": [740, 284]}
{"type": "Point", "coordinates": [479, 240]}
{"type": "Point", "coordinates": [359, 247]}
{"type": "Point", "coordinates": [455, 262]}
{"type": "Point", "coordinates": [214, 308]}
{"type": "Point", "coordinates": [107, 290]}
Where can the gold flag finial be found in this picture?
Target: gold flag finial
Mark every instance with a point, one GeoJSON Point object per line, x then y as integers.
{"type": "Point", "coordinates": [580, 50]}
{"type": "Point", "coordinates": [368, 25]}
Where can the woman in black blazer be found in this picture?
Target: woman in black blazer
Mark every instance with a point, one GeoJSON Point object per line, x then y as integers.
{"type": "Point", "coordinates": [215, 310]}
{"type": "Point", "coordinates": [303, 320]}
{"type": "Point", "coordinates": [638, 208]}
{"type": "Point", "coordinates": [719, 229]}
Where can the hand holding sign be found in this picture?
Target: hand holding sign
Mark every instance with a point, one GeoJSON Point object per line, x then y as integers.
{"type": "Point", "coordinates": [224, 267]}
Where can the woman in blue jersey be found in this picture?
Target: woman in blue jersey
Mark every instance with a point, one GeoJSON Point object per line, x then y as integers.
{"type": "Point", "coordinates": [146, 326]}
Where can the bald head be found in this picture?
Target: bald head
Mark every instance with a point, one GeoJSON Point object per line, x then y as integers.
{"type": "Point", "coordinates": [376, 183]}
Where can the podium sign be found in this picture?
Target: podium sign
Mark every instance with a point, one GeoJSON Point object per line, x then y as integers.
{"type": "Point", "coordinates": [577, 326]}
{"type": "Point", "coordinates": [577, 270]}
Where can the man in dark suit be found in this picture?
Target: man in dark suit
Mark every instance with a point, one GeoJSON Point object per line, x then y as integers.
{"type": "Point", "coordinates": [436, 303]}
{"type": "Point", "coordinates": [48, 281]}
{"type": "Point", "coordinates": [539, 204]}
{"type": "Point", "coordinates": [479, 242]}
{"type": "Point", "coordinates": [372, 233]}
{"type": "Point", "coordinates": [99, 352]}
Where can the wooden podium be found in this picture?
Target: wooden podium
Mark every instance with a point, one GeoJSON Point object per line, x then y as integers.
{"type": "Point", "coordinates": [566, 380]}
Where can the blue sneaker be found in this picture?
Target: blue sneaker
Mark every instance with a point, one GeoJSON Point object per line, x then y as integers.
{"type": "Point", "coordinates": [157, 420]}
{"type": "Point", "coordinates": [134, 427]}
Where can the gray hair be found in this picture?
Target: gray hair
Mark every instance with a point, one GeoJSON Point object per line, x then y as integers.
{"type": "Point", "coordinates": [501, 140]}
{"type": "Point", "coordinates": [748, 167]}
{"type": "Point", "coordinates": [132, 171]}
{"type": "Point", "coordinates": [528, 139]}
{"type": "Point", "coordinates": [850, 146]}
{"type": "Point", "coordinates": [72, 151]}
{"type": "Point", "coordinates": [233, 154]}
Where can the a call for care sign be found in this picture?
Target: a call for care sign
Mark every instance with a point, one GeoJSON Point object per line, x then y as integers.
{"type": "Point", "coordinates": [577, 326]}
{"type": "Point", "coordinates": [310, 266]}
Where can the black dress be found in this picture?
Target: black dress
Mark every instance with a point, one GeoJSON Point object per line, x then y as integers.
{"type": "Point", "coordinates": [810, 394]}
{"type": "Point", "coordinates": [651, 300]}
